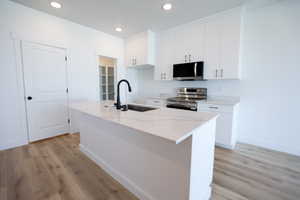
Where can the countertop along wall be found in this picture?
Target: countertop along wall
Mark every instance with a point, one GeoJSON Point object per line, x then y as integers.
{"type": "Point", "coordinates": [82, 44]}
{"type": "Point", "coordinates": [269, 89]}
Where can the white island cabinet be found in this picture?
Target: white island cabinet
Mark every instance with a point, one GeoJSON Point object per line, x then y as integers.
{"type": "Point", "coordinates": [163, 154]}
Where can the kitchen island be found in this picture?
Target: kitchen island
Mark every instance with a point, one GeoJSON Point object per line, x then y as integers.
{"type": "Point", "coordinates": [162, 154]}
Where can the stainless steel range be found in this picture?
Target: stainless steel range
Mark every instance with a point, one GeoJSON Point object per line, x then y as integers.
{"type": "Point", "coordinates": [187, 98]}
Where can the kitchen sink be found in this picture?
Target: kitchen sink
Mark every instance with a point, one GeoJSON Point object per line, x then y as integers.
{"type": "Point", "coordinates": [140, 108]}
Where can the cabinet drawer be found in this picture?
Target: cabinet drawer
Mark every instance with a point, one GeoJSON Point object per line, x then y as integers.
{"type": "Point", "coordinates": [215, 108]}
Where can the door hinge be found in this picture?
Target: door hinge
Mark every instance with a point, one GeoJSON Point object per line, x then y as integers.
{"type": "Point", "coordinates": [67, 90]}
{"type": "Point", "coordinates": [66, 58]}
{"type": "Point", "coordinates": [69, 121]}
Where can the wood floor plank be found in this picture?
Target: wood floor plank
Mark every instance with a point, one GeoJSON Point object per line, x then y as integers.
{"type": "Point", "coordinates": [221, 193]}
{"type": "Point", "coordinates": [17, 178]}
{"type": "Point", "coordinates": [3, 175]}
{"type": "Point", "coordinates": [55, 169]}
{"type": "Point", "coordinates": [100, 183]}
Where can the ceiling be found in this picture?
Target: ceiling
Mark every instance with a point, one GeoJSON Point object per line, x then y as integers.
{"type": "Point", "coordinates": [132, 15]}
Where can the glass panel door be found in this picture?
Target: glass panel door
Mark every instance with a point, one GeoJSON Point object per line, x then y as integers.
{"type": "Point", "coordinates": [107, 78]}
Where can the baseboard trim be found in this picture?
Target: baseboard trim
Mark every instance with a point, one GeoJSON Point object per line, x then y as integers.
{"type": "Point", "coordinates": [127, 183]}
{"type": "Point", "coordinates": [225, 146]}
{"type": "Point", "coordinates": [13, 145]}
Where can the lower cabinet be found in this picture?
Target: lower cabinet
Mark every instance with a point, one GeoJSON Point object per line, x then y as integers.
{"type": "Point", "coordinates": [226, 133]}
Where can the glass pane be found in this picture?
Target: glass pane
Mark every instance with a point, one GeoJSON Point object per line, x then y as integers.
{"type": "Point", "coordinates": [103, 80]}
{"type": "Point", "coordinates": [110, 71]}
{"type": "Point", "coordinates": [110, 80]}
{"type": "Point", "coordinates": [104, 97]}
{"type": "Point", "coordinates": [103, 88]}
{"type": "Point", "coordinates": [111, 96]}
{"type": "Point", "coordinates": [102, 71]}
{"type": "Point", "coordinates": [111, 89]}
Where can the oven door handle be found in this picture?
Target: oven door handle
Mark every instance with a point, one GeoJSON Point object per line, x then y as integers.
{"type": "Point", "coordinates": [195, 69]}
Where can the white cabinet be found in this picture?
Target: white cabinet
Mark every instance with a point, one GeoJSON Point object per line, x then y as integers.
{"type": "Point", "coordinates": [222, 47]}
{"type": "Point", "coordinates": [226, 133]}
{"type": "Point", "coordinates": [140, 49]}
{"type": "Point", "coordinates": [179, 45]}
{"type": "Point", "coordinates": [189, 43]}
{"type": "Point", "coordinates": [194, 42]}
{"type": "Point", "coordinates": [211, 50]}
{"type": "Point", "coordinates": [165, 46]}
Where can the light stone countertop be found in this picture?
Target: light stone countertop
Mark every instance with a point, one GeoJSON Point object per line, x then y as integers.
{"type": "Point", "coordinates": [171, 124]}
{"type": "Point", "coordinates": [226, 101]}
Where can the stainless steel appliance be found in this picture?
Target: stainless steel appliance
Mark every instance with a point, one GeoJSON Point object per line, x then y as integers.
{"type": "Point", "coordinates": [187, 98]}
{"type": "Point", "coordinates": [188, 71]}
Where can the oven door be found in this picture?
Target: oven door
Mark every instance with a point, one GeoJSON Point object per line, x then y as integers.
{"type": "Point", "coordinates": [182, 106]}
{"type": "Point", "coordinates": [188, 71]}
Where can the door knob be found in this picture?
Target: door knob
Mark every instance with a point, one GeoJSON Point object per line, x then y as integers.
{"type": "Point", "coordinates": [29, 98]}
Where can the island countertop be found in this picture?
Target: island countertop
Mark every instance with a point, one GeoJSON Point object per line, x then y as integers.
{"type": "Point", "coordinates": [171, 124]}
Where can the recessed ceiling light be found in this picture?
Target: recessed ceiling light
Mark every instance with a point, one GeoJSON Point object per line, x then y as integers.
{"type": "Point", "coordinates": [119, 29]}
{"type": "Point", "coordinates": [55, 4]}
{"type": "Point", "coordinates": [167, 6]}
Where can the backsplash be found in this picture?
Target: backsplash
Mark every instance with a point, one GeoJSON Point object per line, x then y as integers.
{"type": "Point", "coordinates": [147, 87]}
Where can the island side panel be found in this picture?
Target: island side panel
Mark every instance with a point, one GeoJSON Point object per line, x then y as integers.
{"type": "Point", "coordinates": [151, 167]}
{"type": "Point", "coordinates": [203, 149]}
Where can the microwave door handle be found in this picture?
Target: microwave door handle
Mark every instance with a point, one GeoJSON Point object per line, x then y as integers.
{"type": "Point", "coordinates": [195, 69]}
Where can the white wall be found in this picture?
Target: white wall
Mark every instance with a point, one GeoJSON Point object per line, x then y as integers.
{"type": "Point", "coordinates": [269, 89]}
{"type": "Point", "coordinates": [12, 117]}
{"type": "Point", "coordinates": [82, 44]}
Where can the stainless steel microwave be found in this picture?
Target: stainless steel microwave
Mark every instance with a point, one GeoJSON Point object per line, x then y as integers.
{"type": "Point", "coordinates": [188, 71]}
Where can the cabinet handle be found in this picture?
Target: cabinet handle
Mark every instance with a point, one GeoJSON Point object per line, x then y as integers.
{"type": "Point", "coordinates": [216, 73]}
{"type": "Point", "coordinates": [190, 57]}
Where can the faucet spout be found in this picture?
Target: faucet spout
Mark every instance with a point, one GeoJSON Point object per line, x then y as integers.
{"type": "Point", "coordinates": [118, 104]}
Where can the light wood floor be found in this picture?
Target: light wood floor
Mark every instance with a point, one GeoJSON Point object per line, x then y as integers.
{"type": "Point", "coordinates": [55, 169]}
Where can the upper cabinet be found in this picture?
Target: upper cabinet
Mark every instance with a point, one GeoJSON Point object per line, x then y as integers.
{"type": "Point", "coordinates": [222, 47]}
{"type": "Point", "coordinates": [140, 49]}
{"type": "Point", "coordinates": [214, 40]}
{"type": "Point", "coordinates": [187, 43]}
{"type": "Point", "coordinates": [179, 45]}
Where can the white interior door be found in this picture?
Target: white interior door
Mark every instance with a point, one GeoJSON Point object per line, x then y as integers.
{"type": "Point", "coordinates": [45, 78]}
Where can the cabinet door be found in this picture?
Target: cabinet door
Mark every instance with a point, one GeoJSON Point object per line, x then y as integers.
{"type": "Point", "coordinates": [180, 53]}
{"type": "Point", "coordinates": [224, 129]}
{"type": "Point", "coordinates": [136, 50]}
{"type": "Point", "coordinates": [212, 49]}
{"type": "Point", "coordinates": [131, 49]}
{"type": "Point", "coordinates": [165, 55]}
{"type": "Point", "coordinates": [195, 41]}
{"type": "Point", "coordinates": [141, 49]}
{"type": "Point", "coordinates": [230, 46]}
{"type": "Point", "coordinates": [128, 54]}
